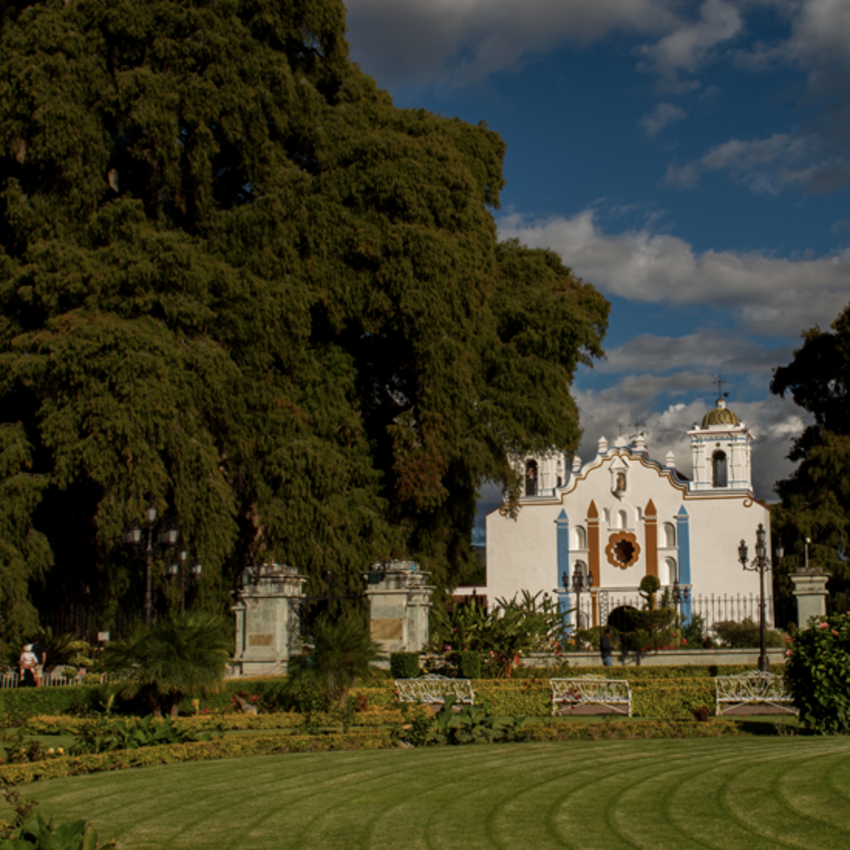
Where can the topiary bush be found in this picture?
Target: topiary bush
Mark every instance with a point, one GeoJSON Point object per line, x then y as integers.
{"type": "Point", "coordinates": [469, 665]}
{"type": "Point", "coordinates": [404, 665]}
{"type": "Point", "coordinates": [817, 673]}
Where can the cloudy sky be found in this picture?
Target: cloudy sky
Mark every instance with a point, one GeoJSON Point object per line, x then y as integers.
{"type": "Point", "coordinates": [690, 159]}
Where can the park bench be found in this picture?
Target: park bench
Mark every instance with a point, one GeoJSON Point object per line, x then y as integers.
{"type": "Point", "coordinates": [614, 694]}
{"type": "Point", "coordinates": [433, 690]}
{"type": "Point", "coordinates": [752, 688]}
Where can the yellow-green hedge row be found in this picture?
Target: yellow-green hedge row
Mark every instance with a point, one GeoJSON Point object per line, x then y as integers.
{"type": "Point", "coordinates": [49, 725]}
{"type": "Point", "coordinates": [229, 747]}
{"type": "Point", "coordinates": [631, 729]}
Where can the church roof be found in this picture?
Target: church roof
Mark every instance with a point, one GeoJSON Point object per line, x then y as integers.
{"type": "Point", "coordinates": [721, 415]}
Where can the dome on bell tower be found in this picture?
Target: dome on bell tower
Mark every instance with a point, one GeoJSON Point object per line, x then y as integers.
{"type": "Point", "coordinates": [721, 415]}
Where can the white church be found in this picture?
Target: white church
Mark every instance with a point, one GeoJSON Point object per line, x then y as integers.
{"type": "Point", "coordinates": [623, 515]}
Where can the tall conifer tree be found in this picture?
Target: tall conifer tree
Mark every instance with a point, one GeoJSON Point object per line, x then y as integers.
{"type": "Point", "coordinates": [235, 279]}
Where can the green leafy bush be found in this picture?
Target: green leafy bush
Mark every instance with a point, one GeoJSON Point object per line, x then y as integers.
{"type": "Point", "coordinates": [817, 673]}
{"type": "Point", "coordinates": [341, 653]}
{"type": "Point", "coordinates": [745, 635]}
{"type": "Point", "coordinates": [471, 725]}
{"type": "Point", "coordinates": [32, 832]}
{"type": "Point", "coordinates": [469, 664]}
{"type": "Point", "coordinates": [404, 665]}
{"type": "Point", "coordinates": [103, 736]}
{"type": "Point", "coordinates": [176, 657]}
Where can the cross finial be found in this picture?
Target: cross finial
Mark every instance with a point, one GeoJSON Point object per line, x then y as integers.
{"type": "Point", "coordinates": [720, 381]}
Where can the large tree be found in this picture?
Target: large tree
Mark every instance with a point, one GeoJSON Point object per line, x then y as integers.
{"type": "Point", "coordinates": [816, 498]}
{"type": "Point", "coordinates": [236, 280]}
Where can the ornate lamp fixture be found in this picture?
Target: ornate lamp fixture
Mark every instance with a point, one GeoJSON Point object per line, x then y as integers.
{"type": "Point", "coordinates": [761, 564]}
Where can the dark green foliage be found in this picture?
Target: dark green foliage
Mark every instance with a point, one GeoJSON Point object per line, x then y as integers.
{"type": "Point", "coordinates": [404, 665]}
{"type": "Point", "coordinates": [746, 634]}
{"type": "Point", "coordinates": [185, 655]}
{"type": "Point", "coordinates": [235, 279]}
{"type": "Point", "coordinates": [74, 699]}
{"type": "Point", "coordinates": [102, 736]}
{"type": "Point", "coordinates": [469, 664]}
{"type": "Point", "coordinates": [526, 623]}
{"type": "Point", "coordinates": [471, 725]}
{"type": "Point", "coordinates": [816, 498]}
{"type": "Point", "coordinates": [339, 654]}
{"type": "Point", "coordinates": [817, 672]}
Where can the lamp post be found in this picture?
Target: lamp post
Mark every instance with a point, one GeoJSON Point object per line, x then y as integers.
{"type": "Point", "coordinates": [761, 564]}
{"type": "Point", "coordinates": [681, 593]}
{"type": "Point", "coordinates": [581, 582]}
{"type": "Point", "coordinates": [177, 573]}
{"type": "Point", "coordinates": [145, 548]}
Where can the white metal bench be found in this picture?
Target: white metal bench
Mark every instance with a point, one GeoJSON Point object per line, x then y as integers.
{"type": "Point", "coordinates": [432, 689]}
{"type": "Point", "coordinates": [615, 694]}
{"type": "Point", "coordinates": [752, 688]}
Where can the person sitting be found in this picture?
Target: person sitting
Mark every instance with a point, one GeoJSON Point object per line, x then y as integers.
{"type": "Point", "coordinates": [28, 662]}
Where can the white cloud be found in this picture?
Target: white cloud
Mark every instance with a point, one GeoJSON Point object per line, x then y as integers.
{"type": "Point", "coordinates": [717, 350]}
{"type": "Point", "coordinates": [770, 295]}
{"type": "Point", "coordinates": [767, 165]}
{"type": "Point", "coordinates": [459, 41]}
{"type": "Point", "coordinates": [774, 422]}
{"type": "Point", "coordinates": [662, 115]}
{"type": "Point", "coordinates": [692, 44]}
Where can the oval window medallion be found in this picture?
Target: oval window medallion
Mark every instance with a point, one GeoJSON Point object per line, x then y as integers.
{"type": "Point", "coordinates": [622, 550]}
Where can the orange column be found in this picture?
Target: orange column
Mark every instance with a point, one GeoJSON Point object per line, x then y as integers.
{"type": "Point", "coordinates": [593, 556]}
{"type": "Point", "coordinates": [651, 548]}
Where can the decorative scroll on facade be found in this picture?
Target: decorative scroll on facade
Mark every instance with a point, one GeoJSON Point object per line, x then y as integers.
{"type": "Point", "coordinates": [615, 694]}
{"type": "Point", "coordinates": [430, 689]}
{"type": "Point", "coordinates": [755, 688]}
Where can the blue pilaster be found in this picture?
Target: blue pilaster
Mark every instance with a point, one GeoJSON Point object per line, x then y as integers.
{"type": "Point", "coordinates": [562, 524]}
{"type": "Point", "coordinates": [684, 537]}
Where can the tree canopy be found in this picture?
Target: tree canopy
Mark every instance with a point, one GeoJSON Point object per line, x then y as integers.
{"type": "Point", "coordinates": [235, 279]}
{"type": "Point", "coordinates": [816, 498]}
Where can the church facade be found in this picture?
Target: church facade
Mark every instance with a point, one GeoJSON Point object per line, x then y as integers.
{"type": "Point", "coordinates": [624, 515]}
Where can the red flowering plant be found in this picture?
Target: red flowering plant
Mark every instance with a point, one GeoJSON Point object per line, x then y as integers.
{"type": "Point", "coordinates": [817, 670]}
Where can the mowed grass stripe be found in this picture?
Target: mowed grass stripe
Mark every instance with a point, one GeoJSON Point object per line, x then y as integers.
{"type": "Point", "coordinates": [772, 798]}
{"type": "Point", "coordinates": [583, 795]}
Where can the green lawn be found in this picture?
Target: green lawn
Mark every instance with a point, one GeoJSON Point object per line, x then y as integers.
{"type": "Point", "coordinates": [729, 793]}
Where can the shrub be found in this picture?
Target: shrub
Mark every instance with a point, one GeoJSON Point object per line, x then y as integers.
{"type": "Point", "coordinates": [404, 665]}
{"type": "Point", "coordinates": [745, 635]}
{"type": "Point", "coordinates": [175, 658]}
{"type": "Point", "coordinates": [341, 653]}
{"type": "Point", "coordinates": [817, 671]}
{"type": "Point", "coordinates": [69, 699]}
{"type": "Point", "coordinates": [469, 664]}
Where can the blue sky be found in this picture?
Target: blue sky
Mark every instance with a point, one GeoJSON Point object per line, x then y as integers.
{"type": "Point", "coordinates": [690, 159]}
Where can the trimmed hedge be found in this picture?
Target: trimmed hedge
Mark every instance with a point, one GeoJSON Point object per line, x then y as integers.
{"type": "Point", "coordinates": [629, 729]}
{"type": "Point", "coordinates": [69, 699]}
{"type": "Point", "coordinates": [230, 747]}
{"type": "Point", "coordinates": [524, 695]}
{"type": "Point", "coordinates": [404, 665]}
{"type": "Point", "coordinates": [230, 722]}
{"type": "Point", "coordinates": [672, 700]}
{"type": "Point", "coordinates": [469, 665]}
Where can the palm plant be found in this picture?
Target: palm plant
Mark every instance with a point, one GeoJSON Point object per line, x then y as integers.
{"type": "Point", "coordinates": [175, 658]}
{"type": "Point", "coordinates": [340, 654]}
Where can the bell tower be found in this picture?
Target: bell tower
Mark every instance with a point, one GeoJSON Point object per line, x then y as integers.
{"type": "Point", "coordinates": [721, 453]}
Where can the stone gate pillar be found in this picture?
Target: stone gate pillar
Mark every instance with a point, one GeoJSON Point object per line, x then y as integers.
{"type": "Point", "coordinates": [399, 604]}
{"type": "Point", "coordinates": [810, 590]}
{"type": "Point", "coordinates": [267, 618]}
